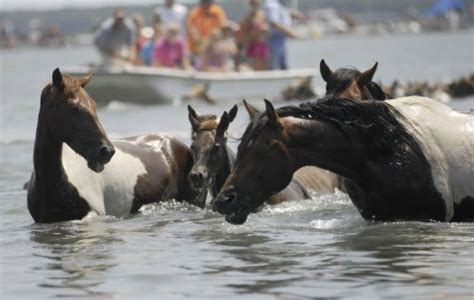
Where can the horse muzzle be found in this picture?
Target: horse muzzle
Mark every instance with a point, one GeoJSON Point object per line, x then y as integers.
{"type": "Point", "coordinates": [228, 204]}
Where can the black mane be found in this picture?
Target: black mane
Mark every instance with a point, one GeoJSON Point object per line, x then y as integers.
{"type": "Point", "coordinates": [376, 121]}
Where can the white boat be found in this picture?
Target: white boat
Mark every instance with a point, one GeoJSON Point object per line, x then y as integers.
{"type": "Point", "coordinates": [160, 85]}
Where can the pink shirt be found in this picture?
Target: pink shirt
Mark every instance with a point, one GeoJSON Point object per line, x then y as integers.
{"type": "Point", "coordinates": [169, 54]}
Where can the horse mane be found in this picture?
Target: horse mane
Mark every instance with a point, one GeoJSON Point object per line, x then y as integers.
{"type": "Point", "coordinates": [377, 122]}
{"type": "Point", "coordinates": [376, 91]}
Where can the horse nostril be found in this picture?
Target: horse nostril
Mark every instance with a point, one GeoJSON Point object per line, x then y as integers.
{"type": "Point", "coordinates": [230, 198]}
{"type": "Point", "coordinates": [106, 152]}
{"type": "Point", "coordinates": [197, 179]}
{"type": "Point", "coordinates": [223, 204]}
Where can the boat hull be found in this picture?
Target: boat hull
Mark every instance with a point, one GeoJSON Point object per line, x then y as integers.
{"type": "Point", "coordinates": [160, 86]}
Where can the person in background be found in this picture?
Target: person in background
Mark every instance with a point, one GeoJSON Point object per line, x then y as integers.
{"type": "Point", "coordinates": [254, 32]}
{"type": "Point", "coordinates": [215, 56]}
{"type": "Point", "coordinates": [144, 57]}
{"type": "Point", "coordinates": [279, 18]}
{"type": "Point", "coordinates": [173, 13]}
{"type": "Point", "coordinates": [115, 38]}
{"type": "Point", "coordinates": [170, 50]}
{"type": "Point", "coordinates": [140, 40]}
{"type": "Point", "coordinates": [228, 41]}
{"type": "Point", "coordinates": [202, 20]}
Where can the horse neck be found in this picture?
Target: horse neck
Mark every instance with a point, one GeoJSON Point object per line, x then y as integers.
{"type": "Point", "coordinates": [47, 156]}
{"type": "Point", "coordinates": [305, 150]}
{"type": "Point", "coordinates": [221, 175]}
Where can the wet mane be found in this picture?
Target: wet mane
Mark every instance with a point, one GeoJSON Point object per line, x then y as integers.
{"type": "Point", "coordinates": [376, 121]}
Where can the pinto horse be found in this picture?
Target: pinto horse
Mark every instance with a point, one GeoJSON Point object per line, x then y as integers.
{"type": "Point", "coordinates": [351, 83]}
{"type": "Point", "coordinates": [214, 160]}
{"type": "Point", "coordinates": [402, 159]}
{"type": "Point", "coordinates": [78, 170]}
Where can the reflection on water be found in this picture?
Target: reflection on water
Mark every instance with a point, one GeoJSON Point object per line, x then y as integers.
{"type": "Point", "coordinates": [75, 255]}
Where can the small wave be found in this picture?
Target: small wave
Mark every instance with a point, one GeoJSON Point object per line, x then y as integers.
{"type": "Point", "coordinates": [15, 141]}
{"type": "Point", "coordinates": [119, 106]}
{"type": "Point", "coordinates": [316, 203]}
{"type": "Point", "coordinates": [166, 207]}
{"type": "Point", "coordinates": [327, 224]}
{"type": "Point", "coordinates": [94, 217]}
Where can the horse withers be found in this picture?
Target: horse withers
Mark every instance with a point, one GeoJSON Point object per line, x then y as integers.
{"type": "Point", "coordinates": [350, 83]}
{"type": "Point", "coordinates": [78, 170]}
{"type": "Point", "coordinates": [402, 159]}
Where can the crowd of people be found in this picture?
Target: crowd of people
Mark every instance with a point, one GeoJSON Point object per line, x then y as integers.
{"type": "Point", "coordinates": [203, 39]}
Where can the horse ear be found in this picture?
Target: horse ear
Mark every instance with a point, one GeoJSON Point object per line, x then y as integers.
{"type": "Point", "coordinates": [58, 79]}
{"type": "Point", "coordinates": [367, 76]}
{"type": "Point", "coordinates": [251, 110]}
{"type": "Point", "coordinates": [193, 118]}
{"type": "Point", "coordinates": [271, 112]}
{"type": "Point", "coordinates": [223, 124]}
{"type": "Point", "coordinates": [192, 111]}
{"type": "Point", "coordinates": [85, 80]}
{"type": "Point", "coordinates": [233, 113]}
{"type": "Point", "coordinates": [325, 71]}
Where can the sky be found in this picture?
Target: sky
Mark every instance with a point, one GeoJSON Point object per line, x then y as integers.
{"type": "Point", "coordinates": [8, 5]}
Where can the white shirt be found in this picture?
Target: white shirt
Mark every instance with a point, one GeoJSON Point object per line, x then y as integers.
{"type": "Point", "coordinates": [174, 15]}
{"type": "Point", "coordinates": [277, 13]}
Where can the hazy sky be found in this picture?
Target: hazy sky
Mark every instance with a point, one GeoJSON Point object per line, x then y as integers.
{"type": "Point", "coordinates": [47, 4]}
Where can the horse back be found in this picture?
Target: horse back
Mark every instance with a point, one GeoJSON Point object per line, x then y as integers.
{"type": "Point", "coordinates": [446, 138]}
{"type": "Point", "coordinates": [166, 160]}
{"type": "Point", "coordinates": [317, 179]}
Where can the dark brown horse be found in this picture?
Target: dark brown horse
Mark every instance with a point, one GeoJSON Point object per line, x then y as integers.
{"type": "Point", "coordinates": [78, 170]}
{"type": "Point", "coordinates": [351, 83]}
{"type": "Point", "coordinates": [398, 163]}
{"type": "Point", "coordinates": [214, 160]}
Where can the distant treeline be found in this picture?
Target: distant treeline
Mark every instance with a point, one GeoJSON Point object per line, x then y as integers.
{"type": "Point", "coordinates": [77, 20]}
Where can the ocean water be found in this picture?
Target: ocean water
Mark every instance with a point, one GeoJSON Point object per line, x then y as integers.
{"type": "Point", "coordinates": [309, 249]}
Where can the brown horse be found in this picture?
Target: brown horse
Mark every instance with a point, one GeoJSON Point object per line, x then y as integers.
{"type": "Point", "coordinates": [105, 178]}
{"type": "Point", "coordinates": [351, 83]}
{"type": "Point", "coordinates": [398, 163]}
{"type": "Point", "coordinates": [214, 160]}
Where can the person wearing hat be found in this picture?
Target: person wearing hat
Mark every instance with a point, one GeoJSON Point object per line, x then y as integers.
{"type": "Point", "coordinates": [115, 38]}
{"type": "Point", "coordinates": [202, 20]}
{"type": "Point", "coordinates": [173, 13]}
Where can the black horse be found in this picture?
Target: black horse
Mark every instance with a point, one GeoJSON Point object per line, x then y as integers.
{"type": "Point", "coordinates": [397, 162]}
{"type": "Point", "coordinates": [214, 160]}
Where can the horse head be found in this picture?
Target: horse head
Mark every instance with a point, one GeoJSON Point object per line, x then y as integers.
{"type": "Point", "coordinates": [351, 83]}
{"type": "Point", "coordinates": [263, 166]}
{"type": "Point", "coordinates": [209, 142]}
{"type": "Point", "coordinates": [70, 116]}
